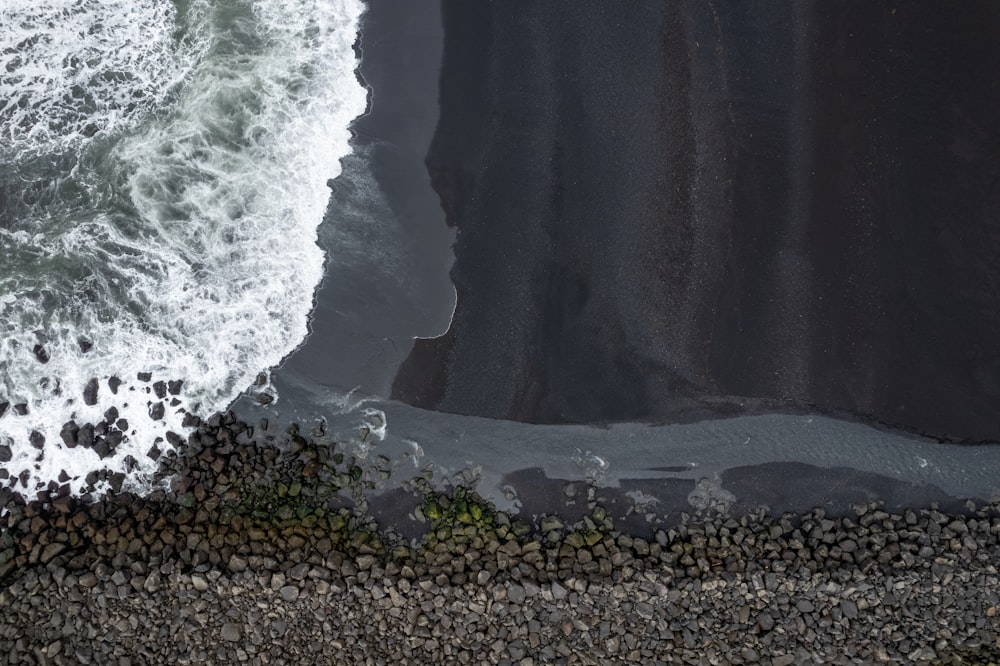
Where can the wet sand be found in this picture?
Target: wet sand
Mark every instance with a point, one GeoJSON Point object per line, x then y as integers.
{"type": "Point", "coordinates": [750, 209]}
{"type": "Point", "coordinates": [388, 248]}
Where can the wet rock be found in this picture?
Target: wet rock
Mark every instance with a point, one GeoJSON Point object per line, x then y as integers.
{"type": "Point", "coordinates": [90, 392]}
{"type": "Point", "coordinates": [5, 453]}
{"type": "Point", "coordinates": [156, 411]}
{"type": "Point", "coordinates": [21, 409]}
{"type": "Point", "coordinates": [85, 345]}
{"type": "Point", "coordinates": [68, 434]}
{"type": "Point", "coordinates": [174, 386]}
{"type": "Point", "coordinates": [41, 354]}
{"type": "Point", "coordinates": [265, 398]}
{"type": "Point", "coordinates": [37, 439]}
{"type": "Point", "coordinates": [160, 389]}
{"type": "Point", "coordinates": [102, 448]}
{"type": "Point", "coordinates": [4, 405]}
{"type": "Point", "coordinates": [144, 376]}
{"type": "Point", "coordinates": [113, 384]}
{"type": "Point", "coordinates": [111, 415]}
{"type": "Point", "coordinates": [85, 436]}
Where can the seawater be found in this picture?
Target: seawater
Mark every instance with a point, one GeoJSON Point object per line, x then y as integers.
{"type": "Point", "coordinates": [163, 170]}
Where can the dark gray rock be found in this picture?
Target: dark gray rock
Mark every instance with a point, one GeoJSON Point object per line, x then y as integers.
{"type": "Point", "coordinates": [90, 392]}
{"type": "Point", "coordinates": [68, 433]}
{"type": "Point", "coordinates": [102, 448]}
{"type": "Point", "coordinates": [231, 632]}
{"type": "Point", "coordinates": [40, 353]}
{"type": "Point", "coordinates": [765, 621]}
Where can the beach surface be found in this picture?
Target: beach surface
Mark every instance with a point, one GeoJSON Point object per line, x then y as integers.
{"type": "Point", "coordinates": [769, 207]}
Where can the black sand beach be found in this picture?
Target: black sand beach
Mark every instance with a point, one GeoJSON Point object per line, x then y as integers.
{"type": "Point", "coordinates": [668, 212]}
{"type": "Point", "coordinates": [605, 273]}
{"type": "Point", "coordinates": [388, 249]}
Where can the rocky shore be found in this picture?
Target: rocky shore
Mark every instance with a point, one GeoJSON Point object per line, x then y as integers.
{"type": "Point", "coordinates": [261, 547]}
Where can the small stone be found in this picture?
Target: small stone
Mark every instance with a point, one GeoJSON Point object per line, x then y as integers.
{"type": "Point", "coordinates": [765, 621]}
{"type": "Point", "coordinates": [299, 571]}
{"type": "Point", "coordinates": [90, 392]}
{"type": "Point", "coordinates": [231, 632]}
{"type": "Point", "coordinates": [68, 434]}
{"type": "Point", "coordinates": [156, 411]}
{"type": "Point", "coordinates": [289, 593]}
{"type": "Point", "coordinates": [51, 551]}
{"type": "Point", "coordinates": [237, 563]}
{"type": "Point", "coordinates": [40, 353]}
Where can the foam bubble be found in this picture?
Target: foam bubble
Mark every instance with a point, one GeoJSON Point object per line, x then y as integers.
{"type": "Point", "coordinates": [180, 240]}
{"type": "Point", "coordinates": [74, 69]}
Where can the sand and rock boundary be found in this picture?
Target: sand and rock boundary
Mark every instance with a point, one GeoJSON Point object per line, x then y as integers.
{"type": "Point", "coordinates": [261, 547]}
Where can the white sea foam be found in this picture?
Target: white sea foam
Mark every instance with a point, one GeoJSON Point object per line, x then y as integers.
{"type": "Point", "coordinates": [71, 69]}
{"type": "Point", "coordinates": [190, 249]}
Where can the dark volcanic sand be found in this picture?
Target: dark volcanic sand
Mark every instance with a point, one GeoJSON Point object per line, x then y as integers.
{"type": "Point", "coordinates": [672, 211]}
{"type": "Point", "coordinates": [388, 249]}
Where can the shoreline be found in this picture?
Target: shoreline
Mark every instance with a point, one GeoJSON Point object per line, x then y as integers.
{"type": "Point", "coordinates": [246, 522]}
{"type": "Point", "coordinates": [387, 248]}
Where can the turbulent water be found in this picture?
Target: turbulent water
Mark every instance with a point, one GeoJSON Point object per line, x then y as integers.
{"type": "Point", "coordinates": [162, 177]}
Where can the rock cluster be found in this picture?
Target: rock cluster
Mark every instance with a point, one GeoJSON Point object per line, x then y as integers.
{"type": "Point", "coordinates": [260, 552]}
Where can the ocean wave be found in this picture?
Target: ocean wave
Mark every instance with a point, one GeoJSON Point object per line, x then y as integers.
{"type": "Point", "coordinates": [163, 223]}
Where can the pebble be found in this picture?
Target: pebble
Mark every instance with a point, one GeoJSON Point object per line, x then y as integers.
{"type": "Point", "coordinates": [135, 581]}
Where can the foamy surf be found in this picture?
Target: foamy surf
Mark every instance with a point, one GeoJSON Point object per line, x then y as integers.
{"type": "Point", "coordinates": [161, 185]}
